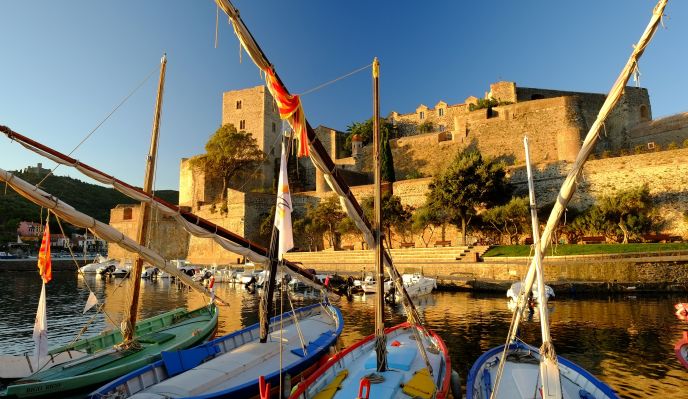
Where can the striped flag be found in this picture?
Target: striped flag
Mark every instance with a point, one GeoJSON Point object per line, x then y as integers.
{"type": "Point", "coordinates": [40, 326]}
{"type": "Point", "coordinates": [283, 209]}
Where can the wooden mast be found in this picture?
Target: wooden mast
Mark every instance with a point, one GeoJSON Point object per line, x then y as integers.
{"type": "Point", "coordinates": [144, 212]}
{"type": "Point", "coordinates": [380, 339]}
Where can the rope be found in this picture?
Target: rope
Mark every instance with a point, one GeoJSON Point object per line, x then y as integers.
{"type": "Point", "coordinates": [316, 88]}
{"type": "Point", "coordinates": [101, 123]}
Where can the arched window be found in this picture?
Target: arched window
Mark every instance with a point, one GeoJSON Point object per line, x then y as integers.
{"type": "Point", "coordinates": [644, 113]}
{"type": "Point", "coordinates": [441, 111]}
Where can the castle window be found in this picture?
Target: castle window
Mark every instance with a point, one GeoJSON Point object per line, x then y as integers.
{"type": "Point", "coordinates": [441, 111]}
{"type": "Point", "coordinates": [422, 115]}
{"type": "Point", "coordinates": [274, 127]}
{"type": "Point", "coordinates": [644, 114]}
{"type": "Point", "coordinates": [127, 214]}
{"type": "Point", "coordinates": [242, 124]}
{"type": "Point", "coordinates": [238, 105]}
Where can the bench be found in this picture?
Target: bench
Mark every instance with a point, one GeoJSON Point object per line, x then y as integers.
{"type": "Point", "coordinates": [443, 243]}
{"type": "Point", "coordinates": [661, 238]}
{"type": "Point", "coordinates": [594, 240]}
{"type": "Point", "coordinates": [347, 247]}
{"type": "Point", "coordinates": [407, 245]}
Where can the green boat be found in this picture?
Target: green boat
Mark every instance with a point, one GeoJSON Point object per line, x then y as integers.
{"type": "Point", "coordinates": [105, 361]}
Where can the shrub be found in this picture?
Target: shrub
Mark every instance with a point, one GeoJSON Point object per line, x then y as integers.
{"type": "Point", "coordinates": [623, 152]}
{"type": "Point", "coordinates": [685, 143]}
{"type": "Point", "coordinates": [672, 146]}
{"type": "Point", "coordinates": [639, 149]}
{"type": "Point", "coordinates": [606, 154]}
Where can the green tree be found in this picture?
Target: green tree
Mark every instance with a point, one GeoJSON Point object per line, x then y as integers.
{"type": "Point", "coordinates": [469, 183]}
{"type": "Point", "coordinates": [365, 130]}
{"type": "Point", "coordinates": [230, 156]}
{"type": "Point", "coordinates": [305, 231]}
{"type": "Point", "coordinates": [423, 224]}
{"type": "Point", "coordinates": [326, 217]}
{"type": "Point", "coordinates": [394, 214]}
{"type": "Point", "coordinates": [386, 160]}
{"type": "Point", "coordinates": [511, 219]}
{"type": "Point", "coordinates": [628, 212]}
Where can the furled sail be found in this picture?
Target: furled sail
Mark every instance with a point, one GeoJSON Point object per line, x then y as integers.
{"type": "Point", "coordinates": [102, 230]}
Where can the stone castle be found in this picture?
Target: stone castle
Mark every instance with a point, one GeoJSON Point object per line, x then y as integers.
{"type": "Point", "coordinates": [555, 122]}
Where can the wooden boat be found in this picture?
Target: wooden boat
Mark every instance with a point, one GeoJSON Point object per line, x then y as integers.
{"type": "Point", "coordinates": [681, 349]}
{"type": "Point", "coordinates": [172, 330]}
{"type": "Point", "coordinates": [406, 375]}
{"type": "Point", "coordinates": [229, 366]}
{"type": "Point", "coordinates": [522, 373]}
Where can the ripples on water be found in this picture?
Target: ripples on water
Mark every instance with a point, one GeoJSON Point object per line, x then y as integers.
{"type": "Point", "coordinates": [625, 341]}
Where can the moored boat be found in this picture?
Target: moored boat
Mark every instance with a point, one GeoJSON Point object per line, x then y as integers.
{"type": "Point", "coordinates": [521, 376]}
{"type": "Point", "coordinates": [229, 366]}
{"type": "Point", "coordinates": [176, 329]}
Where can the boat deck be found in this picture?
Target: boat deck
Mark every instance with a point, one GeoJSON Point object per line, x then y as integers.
{"type": "Point", "coordinates": [243, 364]}
{"type": "Point", "coordinates": [405, 371]}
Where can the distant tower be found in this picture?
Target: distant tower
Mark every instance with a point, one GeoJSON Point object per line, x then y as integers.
{"type": "Point", "coordinates": [356, 145]}
{"type": "Point", "coordinates": [253, 110]}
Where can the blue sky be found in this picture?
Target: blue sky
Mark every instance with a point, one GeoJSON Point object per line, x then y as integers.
{"type": "Point", "coordinates": [66, 65]}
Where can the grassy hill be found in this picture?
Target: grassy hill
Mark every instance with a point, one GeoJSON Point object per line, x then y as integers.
{"type": "Point", "coordinates": [91, 199]}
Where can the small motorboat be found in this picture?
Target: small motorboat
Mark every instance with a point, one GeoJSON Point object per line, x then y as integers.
{"type": "Point", "coordinates": [99, 262]}
{"type": "Point", "coordinates": [512, 292]}
{"type": "Point", "coordinates": [416, 285]}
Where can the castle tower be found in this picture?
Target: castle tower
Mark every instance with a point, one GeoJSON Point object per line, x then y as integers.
{"type": "Point", "coordinates": [356, 145]}
{"type": "Point", "coordinates": [253, 110]}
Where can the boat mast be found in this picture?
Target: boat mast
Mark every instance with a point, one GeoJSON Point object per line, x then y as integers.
{"type": "Point", "coordinates": [144, 212]}
{"type": "Point", "coordinates": [380, 339]}
{"type": "Point", "coordinates": [549, 370]}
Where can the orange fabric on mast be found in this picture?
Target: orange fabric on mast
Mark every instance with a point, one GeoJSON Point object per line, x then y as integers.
{"type": "Point", "coordinates": [290, 108]}
{"type": "Point", "coordinates": [44, 261]}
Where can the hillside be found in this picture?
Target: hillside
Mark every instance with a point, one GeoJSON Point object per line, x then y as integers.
{"type": "Point", "coordinates": [91, 199]}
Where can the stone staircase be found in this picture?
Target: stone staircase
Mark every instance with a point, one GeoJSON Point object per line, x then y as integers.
{"type": "Point", "coordinates": [403, 258]}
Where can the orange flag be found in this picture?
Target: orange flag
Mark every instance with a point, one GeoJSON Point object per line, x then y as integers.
{"type": "Point", "coordinates": [44, 261]}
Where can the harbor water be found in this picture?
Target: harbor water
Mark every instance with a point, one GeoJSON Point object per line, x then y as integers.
{"type": "Point", "coordinates": [626, 341]}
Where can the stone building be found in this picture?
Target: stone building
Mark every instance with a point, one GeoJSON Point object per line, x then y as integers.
{"type": "Point", "coordinates": [555, 121]}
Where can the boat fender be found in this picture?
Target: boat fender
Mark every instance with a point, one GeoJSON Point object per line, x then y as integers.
{"type": "Point", "coordinates": [364, 386]}
{"type": "Point", "coordinates": [395, 343]}
{"type": "Point", "coordinates": [456, 385]}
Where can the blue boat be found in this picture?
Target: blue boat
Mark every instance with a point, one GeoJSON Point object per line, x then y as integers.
{"type": "Point", "coordinates": [521, 376]}
{"type": "Point", "coordinates": [230, 366]}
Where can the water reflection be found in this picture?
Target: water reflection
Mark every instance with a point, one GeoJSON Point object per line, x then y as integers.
{"type": "Point", "coordinates": [627, 342]}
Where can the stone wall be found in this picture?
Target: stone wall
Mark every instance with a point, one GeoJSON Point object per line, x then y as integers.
{"type": "Point", "coordinates": [167, 237]}
{"type": "Point", "coordinates": [661, 132]}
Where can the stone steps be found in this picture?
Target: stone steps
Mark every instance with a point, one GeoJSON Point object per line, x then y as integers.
{"type": "Point", "coordinates": [405, 256]}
